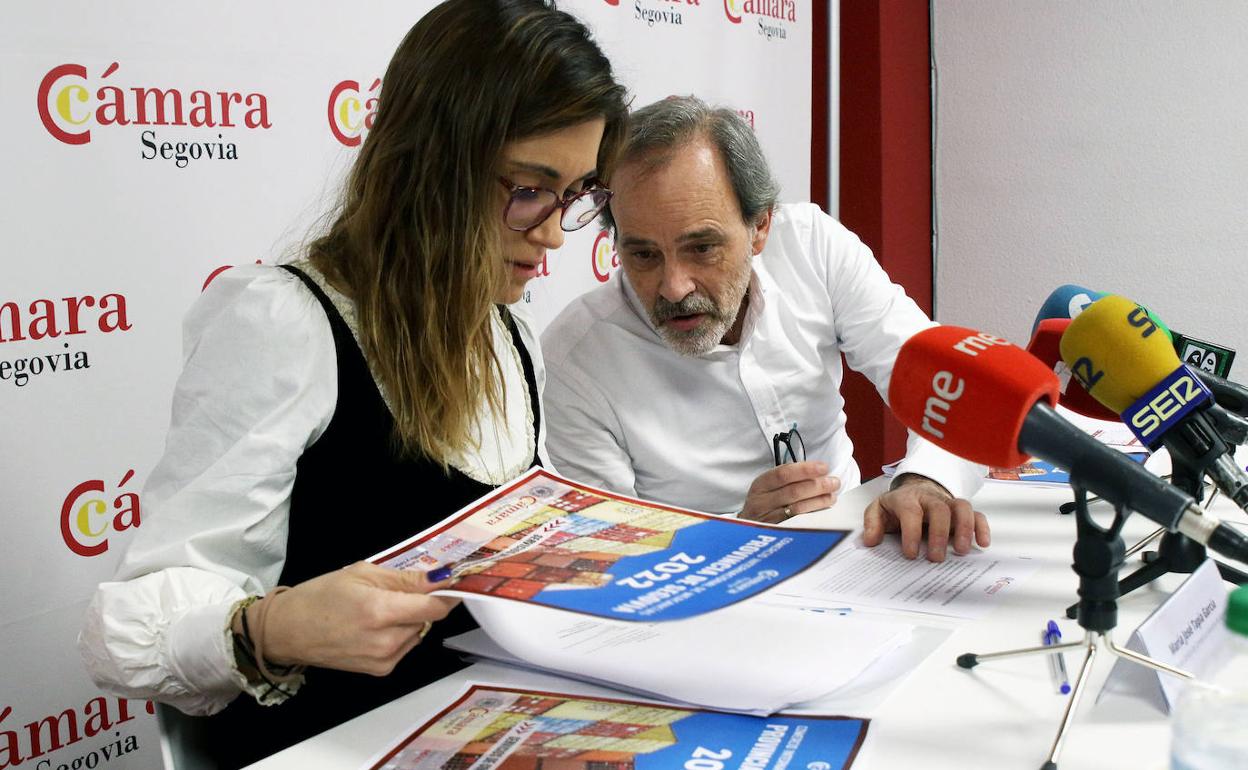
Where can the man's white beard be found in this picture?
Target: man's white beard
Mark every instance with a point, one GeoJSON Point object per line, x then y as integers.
{"type": "Point", "coordinates": [703, 339]}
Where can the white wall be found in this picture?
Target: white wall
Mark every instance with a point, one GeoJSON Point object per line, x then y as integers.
{"type": "Point", "coordinates": [1100, 143]}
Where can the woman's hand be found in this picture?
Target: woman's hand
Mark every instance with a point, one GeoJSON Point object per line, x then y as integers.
{"type": "Point", "coordinates": [361, 618]}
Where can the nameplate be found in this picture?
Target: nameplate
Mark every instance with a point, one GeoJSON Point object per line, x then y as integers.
{"type": "Point", "coordinates": [1188, 631]}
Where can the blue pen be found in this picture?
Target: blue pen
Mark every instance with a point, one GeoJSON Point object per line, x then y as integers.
{"type": "Point", "coordinates": [1057, 663]}
{"type": "Point", "coordinates": [837, 610]}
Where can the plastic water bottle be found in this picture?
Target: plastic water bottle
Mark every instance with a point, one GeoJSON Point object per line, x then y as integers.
{"type": "Point", "coordinates": [1211, 723]}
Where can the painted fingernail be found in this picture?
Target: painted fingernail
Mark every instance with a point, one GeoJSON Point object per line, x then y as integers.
{"type": "Point", "coordinates": [439, 574]}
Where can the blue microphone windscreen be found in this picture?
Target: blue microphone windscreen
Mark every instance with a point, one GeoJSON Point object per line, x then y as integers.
{"type": "Point", "coordinates": [1065, 302]}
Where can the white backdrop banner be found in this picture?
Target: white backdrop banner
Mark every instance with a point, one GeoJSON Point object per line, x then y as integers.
{"type": "Point", "coordinates": [150, 145]}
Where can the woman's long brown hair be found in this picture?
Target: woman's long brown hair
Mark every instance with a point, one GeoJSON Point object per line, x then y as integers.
{"type": "Point", "coordinates": [416, 241]}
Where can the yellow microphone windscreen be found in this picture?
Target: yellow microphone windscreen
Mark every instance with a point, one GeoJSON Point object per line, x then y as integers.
{"type": "Point", "coordinates": [1117, 352]}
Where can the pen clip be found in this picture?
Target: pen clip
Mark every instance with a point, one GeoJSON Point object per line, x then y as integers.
{"type": "Point", "coordinates": [1052, 634]}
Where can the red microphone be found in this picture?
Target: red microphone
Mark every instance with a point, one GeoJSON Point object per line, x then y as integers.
{"type": "Point", "coordinates": [991, 402]}
{"type": "Point", "coordinates": [969, 392]}
{"type": "Point", "coordinates": [1044, 345]}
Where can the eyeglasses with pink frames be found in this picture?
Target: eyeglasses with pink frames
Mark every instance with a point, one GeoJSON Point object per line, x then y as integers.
{"type": "Point", "coordinates": [528, 207]}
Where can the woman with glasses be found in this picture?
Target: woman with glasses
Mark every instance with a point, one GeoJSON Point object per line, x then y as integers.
{"type": "Point", "coordinates": [333, 407]}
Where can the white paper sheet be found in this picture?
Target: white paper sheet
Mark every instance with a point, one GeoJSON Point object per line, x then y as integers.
{"type": "Point", "coordinates": [751, 657]}
{"type": "Point", "coordinates": [864, 694]}
{"type": "Point", "coordinates": [881, 577]}
{"type": "Point", "coordinates": [1110, 433]}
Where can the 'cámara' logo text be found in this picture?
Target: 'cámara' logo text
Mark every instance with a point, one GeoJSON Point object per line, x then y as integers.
{"type": "Point", "coordinates": [665, 12]}
{"type": "Point", "coordinates": [351, 112]}
{"type": "Point", "coordinates": [604, 259]}
{"type": "Point", "coordinates": [98, 717]}
{"type": "Point", "coordinates": [72, 105]}
{"type": "Point", "coordinates": [87, 518]}
{"type": "Point", "coordinates": [45, 319]}
{"type": "Point", "coordinates": [771, 13]}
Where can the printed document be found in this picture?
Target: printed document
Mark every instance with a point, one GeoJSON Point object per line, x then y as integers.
{"type": "Point", "coordinates": [492, 727]}
{"type": "Point", "coordinates": [881, 577]}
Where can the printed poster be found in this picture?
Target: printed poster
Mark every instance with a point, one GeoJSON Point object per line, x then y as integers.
{"type": "Point", "coordinates": [1037, 471]}
{"type": "Point", "coordinates": [549, 541]}
{"type": "Point", "coordinates": [499, 728]}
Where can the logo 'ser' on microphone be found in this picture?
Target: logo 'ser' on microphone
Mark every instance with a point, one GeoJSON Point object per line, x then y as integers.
{"type": "Point", "coordinates": [1120, 356]}
{"type": "Point", "coordinates": [991, 402]}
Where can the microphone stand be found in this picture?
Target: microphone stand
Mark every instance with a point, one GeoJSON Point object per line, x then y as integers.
{"type": "Point", "coordinates": [1175, 553]}
{"type": "Point", "coordinates": [1099, 554]}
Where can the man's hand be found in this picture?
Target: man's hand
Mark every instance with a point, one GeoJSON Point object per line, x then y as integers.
{"type": "Point", "coordinates": [915, 501]}
{"type": "Point", "coordinates": [790, 489]}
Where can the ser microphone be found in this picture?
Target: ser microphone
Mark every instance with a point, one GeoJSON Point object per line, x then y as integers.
{"type": "Point", "coordinates": [991, 402]}
{"type": "Point", "coordinates": [1231, 420]}
{"type": "Point", "coordinates": [1117, 352]}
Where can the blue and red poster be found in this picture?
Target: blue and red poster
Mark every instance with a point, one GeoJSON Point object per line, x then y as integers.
{"type": "Point", "coordinates": [499, 728]}
{"type": "Point", "coordinates": [550, 541]}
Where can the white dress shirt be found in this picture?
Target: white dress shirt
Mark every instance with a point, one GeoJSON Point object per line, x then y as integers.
{"type": "Point", "coordinates": [630, 414]}
{"type": "Point", "coordinates": [258, 387]}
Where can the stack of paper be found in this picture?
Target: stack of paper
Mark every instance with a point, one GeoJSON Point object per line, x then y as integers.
{"type": "Point", "coordinates": [657, 599]}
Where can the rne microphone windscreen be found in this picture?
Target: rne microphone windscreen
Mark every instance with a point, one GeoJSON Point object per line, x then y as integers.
{"type": "Point", "coordinates": [968, 392]}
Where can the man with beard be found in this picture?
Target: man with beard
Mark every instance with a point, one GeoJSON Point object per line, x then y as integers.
{"type": "Point", "coordinates": [708, 374]}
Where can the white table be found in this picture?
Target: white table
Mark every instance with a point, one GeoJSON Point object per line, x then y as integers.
{"type": "Point", "coordinates": [999, 716]}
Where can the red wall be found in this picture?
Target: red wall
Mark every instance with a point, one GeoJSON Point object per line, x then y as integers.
{"type": "Point", "coordinates": [885, 177]}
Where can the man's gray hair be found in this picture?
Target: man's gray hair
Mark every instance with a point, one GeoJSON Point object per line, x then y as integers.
{"type": "Point", "coordinates": [657, 130]}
